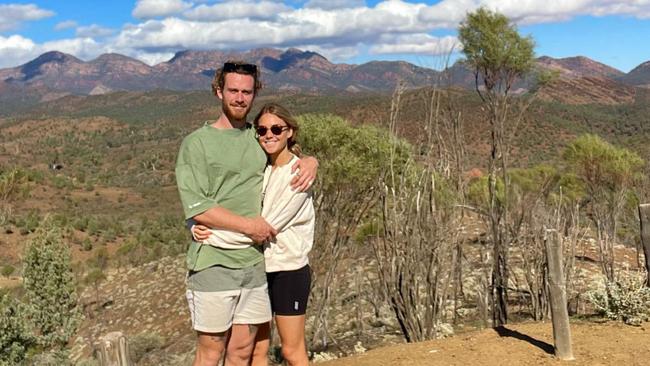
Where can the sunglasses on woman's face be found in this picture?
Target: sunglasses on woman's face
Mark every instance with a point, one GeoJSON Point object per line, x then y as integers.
{"type": "Point", "coordinates": [275, 129]}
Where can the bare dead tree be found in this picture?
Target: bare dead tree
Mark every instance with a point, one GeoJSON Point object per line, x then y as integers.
{"type": "Point", "coordinates": [414, 251]}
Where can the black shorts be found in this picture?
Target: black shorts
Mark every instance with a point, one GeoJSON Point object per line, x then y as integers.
{"type": "Point", "coordinates": [289, 291]}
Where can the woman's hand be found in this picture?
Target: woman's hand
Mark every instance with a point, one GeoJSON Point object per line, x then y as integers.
{"type": "Point", "coordinates": [307, 168]}
{"type": "Point", "coordinates": [200, 232]}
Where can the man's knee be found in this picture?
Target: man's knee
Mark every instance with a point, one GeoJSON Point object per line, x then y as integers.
{"type": "Point", "coordinates": [241, 348]}
{"type": "Point", "coordinates": [208, 356]}
{"type": "Point", "coordinates": [210, 348]}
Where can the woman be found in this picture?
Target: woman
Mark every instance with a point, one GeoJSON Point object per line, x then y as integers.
{"type": "Point", "coordinates": [291, 213]}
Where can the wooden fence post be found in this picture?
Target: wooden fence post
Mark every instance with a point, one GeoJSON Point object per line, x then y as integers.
{"type": "Point", "coordinates": [644, 220]}
{"type": "Point", "coordinates": [113, 350]}
{"type": "Point", "coordinates": [557, 286]}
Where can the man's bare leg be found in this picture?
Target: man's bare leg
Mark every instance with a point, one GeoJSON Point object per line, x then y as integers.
{"type": "Point", "coordinates": [210, 348]}
{"type": "Point", "coordinates": [262, 344]}
{"type": "Point", "coordinates": [241, 343]}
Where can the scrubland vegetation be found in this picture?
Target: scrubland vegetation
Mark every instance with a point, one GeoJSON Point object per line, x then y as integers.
{"type": "Point", "coordinates": [449, 208]}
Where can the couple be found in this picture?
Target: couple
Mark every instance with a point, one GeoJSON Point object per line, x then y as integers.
{"type": "Point", "coordinates": [244, 191]}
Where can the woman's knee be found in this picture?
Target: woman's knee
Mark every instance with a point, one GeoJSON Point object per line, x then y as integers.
{"type": "Point", "coordinates": [295, 354]}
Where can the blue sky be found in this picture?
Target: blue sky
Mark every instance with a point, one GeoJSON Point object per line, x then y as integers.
{"type": "Point", "coordinates": [352, 31]}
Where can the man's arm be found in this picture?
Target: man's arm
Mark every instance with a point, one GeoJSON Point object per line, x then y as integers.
{"type": "Point", "coordinates": [308, 168]}
{"type": "Point", "coordinates": [220, 218]}
{"type": "Point", "coordinates": [192, 181]}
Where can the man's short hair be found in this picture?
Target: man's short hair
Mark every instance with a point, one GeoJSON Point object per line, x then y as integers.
{"type": "Point", "coordinates": [239, 67]}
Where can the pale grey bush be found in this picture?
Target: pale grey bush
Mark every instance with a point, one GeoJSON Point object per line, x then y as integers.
{"type": "Point", "coordinates": [626, 299]}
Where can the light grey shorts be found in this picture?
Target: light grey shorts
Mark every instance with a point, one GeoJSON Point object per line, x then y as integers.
{"type": "Point", "coordinates": [219, 297]}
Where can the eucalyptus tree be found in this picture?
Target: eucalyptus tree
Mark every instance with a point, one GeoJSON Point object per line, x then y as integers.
{"type": "Point", "coordinates": [498, 56]}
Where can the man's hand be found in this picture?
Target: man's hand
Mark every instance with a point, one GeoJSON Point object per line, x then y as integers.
{"type": "Point", "coordinates": [259, 230]}
{"type": "Point", "coordinates": [307, 168]}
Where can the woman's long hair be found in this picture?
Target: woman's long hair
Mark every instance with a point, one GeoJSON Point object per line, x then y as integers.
{"type": "Point", "coordinates": [283, 114]}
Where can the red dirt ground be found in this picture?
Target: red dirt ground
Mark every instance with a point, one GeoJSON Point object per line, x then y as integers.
{"type": "Point", "coordinates": [594, 344]}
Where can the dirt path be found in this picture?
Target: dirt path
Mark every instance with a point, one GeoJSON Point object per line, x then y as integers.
{"type": "Point", "coordinates": [594, 344]}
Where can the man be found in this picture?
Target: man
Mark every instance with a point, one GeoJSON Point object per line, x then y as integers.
{"type": "Point", "coordinates": [219, 173]}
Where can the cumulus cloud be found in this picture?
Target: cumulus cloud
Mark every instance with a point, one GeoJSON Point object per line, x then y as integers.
{"type": "Point", "coordinates": [17, 50]}
{"type": "Point", "coordinates": [330, 52]}
{"type": "Point", "coordinates": [145, 9]}
{"type": "Point", "coordinates": [448, 13]}
{"type": "Point", "coordinates": [337, 29]}
{"type": "Point", "coordinates": [65, 25]}
{"type": "Point", "coordinates": [237, 9]}
{"type": "Point", "coordinates": [13, 15]}
{"type": "Point", "coordinates": [94, 31]}
{"type": "Point", "coordinates": [334, 4]}
{"type": "Point", "coordinates": [420, 44]}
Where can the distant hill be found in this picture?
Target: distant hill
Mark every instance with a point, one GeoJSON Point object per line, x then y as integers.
{"type": "Point", "coordinates": [589, 89]}
{"type": "Point", "coordinates": [192, 70]}
{"type": "Point", "coordinates": [639, 76]}
{"type": "Point", "coordinates": [55, 74]}
{"type": "Point", "coordinates": [579, 66]}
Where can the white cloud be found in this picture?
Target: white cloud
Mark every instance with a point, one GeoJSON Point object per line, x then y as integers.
{"type": "Point", "coordinates": [332, 53]}
{"type": "Point", "coordinates": [65, 25]}
{"type": "Point", "coordinates": [15, 50]}
{"type": "Point", "coordinates": [13, 15]}
{"type": "Point", "coordinates": [94, 31]}
{"type": "Point", "coordinates": [236, 9]}
{"type": "Point", "coordinates": [337, 29]}
{"type": "Point", "coordinates": [420, 44]}
{"type": "Point", "coordinates": [448, 13]}
{"type": "Point", "coordinates": [145, 9]}
{"type": "Point", "coordinates": [335, 4]}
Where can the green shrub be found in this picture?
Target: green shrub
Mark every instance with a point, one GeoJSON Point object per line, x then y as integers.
{"type": "Point", "coordinates": [28, 224]}
{"type": "Point", "coordinates": [144, 343]}
{"type": "Point", "coordinates": [87, 245]}
{"type": "Point", "coordinates": [80, 223]}
{"type": "Point", "coordinates": [15, 334]}
{"type": "Point", "coordinates": [7, 270]}
{"type": "Point", "coordinates": [50, 287]}
{"type": "Point", "coordinates": [13, 183]}
{"type": "Point", "coordinates": [94, 277]}
{"type": "Point", "coordinates": [627, 300]}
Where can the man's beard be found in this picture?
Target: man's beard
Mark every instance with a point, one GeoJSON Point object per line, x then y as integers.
{"type": "Point", "coordinates": [235, 114]}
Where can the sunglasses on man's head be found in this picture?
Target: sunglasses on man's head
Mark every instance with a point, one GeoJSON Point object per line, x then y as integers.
{"type": "Point", "coordinates": [237, 67]}
{"type": "Point", "coordinates": [275, 129]}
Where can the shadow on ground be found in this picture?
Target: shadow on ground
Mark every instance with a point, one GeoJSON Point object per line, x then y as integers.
{"type": "Point", "coordinates": [505, 332]}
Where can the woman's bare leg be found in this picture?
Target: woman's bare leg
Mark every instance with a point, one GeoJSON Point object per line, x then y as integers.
{"type": "Point", "coordinates": [292, 334]}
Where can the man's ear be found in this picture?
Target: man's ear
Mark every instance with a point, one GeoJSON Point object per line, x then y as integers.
{"type": "Point", "coordinates": [219, 93]}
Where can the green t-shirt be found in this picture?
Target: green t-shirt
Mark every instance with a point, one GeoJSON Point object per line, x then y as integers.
{"type": "Point", "coordinates": [221, 167]}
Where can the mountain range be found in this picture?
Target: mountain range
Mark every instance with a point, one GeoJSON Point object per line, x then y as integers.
{"type": "Point", "coordinates": [56, 74]}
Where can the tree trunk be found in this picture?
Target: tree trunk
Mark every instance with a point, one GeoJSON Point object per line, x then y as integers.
{"type": "Point", "coordinates": [644, 218]}
{"type": "Point", "coordinates": [559, 311]}
{"type": "Point", "coordinates": [113, 350]}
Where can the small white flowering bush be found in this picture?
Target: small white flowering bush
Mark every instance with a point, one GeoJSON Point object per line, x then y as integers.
{"type": "Point", "coordinates": [627, 299]}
